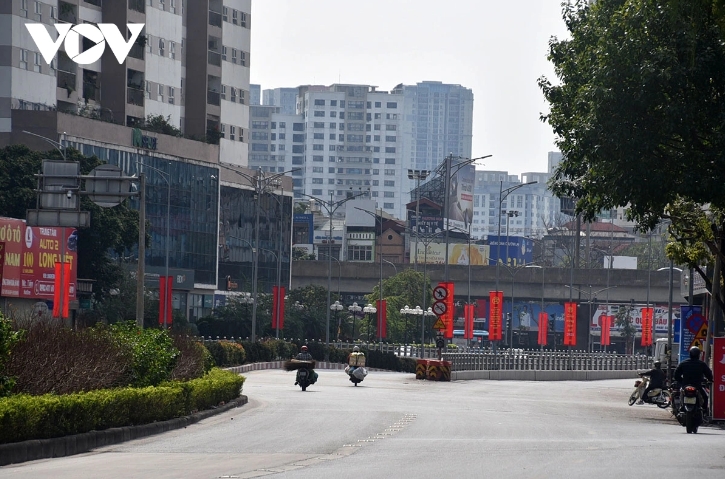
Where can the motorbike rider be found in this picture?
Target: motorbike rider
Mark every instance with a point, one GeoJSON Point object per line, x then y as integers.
{"type": "Point", "coordinates": [693, 372]}
{"type": "Point", "coordinates": [657, 380]}
{"type": "Point", "coordinates": [355, 359]}
{"type": "Point", "coordinates": [304, 355]}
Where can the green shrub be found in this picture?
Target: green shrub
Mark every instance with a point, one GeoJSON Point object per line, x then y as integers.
{"type": "Point", "coordinates": [194, 359]}
{"type": "Point", "coordinates": [8, 338]}
{"type": "Point", "coordinates": [24, 417]}
{"type": "Point", "coordinates": [154, 355]}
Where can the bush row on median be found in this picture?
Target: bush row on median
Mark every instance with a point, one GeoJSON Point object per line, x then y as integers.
{"type": "Point", "coordinates": [24, 417]}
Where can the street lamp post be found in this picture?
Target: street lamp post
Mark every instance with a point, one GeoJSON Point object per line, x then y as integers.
{"type": "Point", "coordinates": [336, 307]}
{"type": "Point", "coordinates": [671, 267]}
{"type": "Point", "coordinates": [543, 270]}
{"type": "Point", "coordinates": [261, 184]}
{"type": "Point", "coordinates": [339, 271]}
{"type": "Point", "coordinates": [591, 296]}
{"type": "Point", "coordinates": [417, 175]}
{"type": "Point", "coordinates": [427, 313]}
{"type": "Point", "coordinates": [405, 312]}
{"type": "Point", "coordinates": [370, 311]}
{"type": "Point", "coordinates": [330, 206]}
{"type": "Point", "coordinates": [354, 311]}
{"type": "Point", "coordinates": [509, 215]}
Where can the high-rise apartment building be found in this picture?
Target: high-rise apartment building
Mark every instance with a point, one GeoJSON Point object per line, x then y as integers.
{"type": "Point", "coordinates": [355, 137]}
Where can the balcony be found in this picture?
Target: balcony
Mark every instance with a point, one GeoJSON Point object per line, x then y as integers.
{"type": "Point", "coordinates": [213, 98]}
{"type": "Point", "coordinates": [67, 12]}
{"type": "Point", "coordinates": [134, 96]}
{"type": "Point", "coordinates": [137, 51]}
{"type": "Point", "coordinates": [215, 58]}
{"type": "Point", "coordinates": [66, 80]}
{"type": "Point", "coordinates": [215, 19]}
{"type": "Point", "coordinates": [91, 92]}
{"type": "Point", "coordinates": [138, 5]}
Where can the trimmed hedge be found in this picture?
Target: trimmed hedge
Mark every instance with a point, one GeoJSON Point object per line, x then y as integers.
{"type": "Point", "coordinates": [24, 417]}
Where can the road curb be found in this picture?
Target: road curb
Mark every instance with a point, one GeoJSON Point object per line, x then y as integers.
{"type": "Point", "coordinates": [32, 450]}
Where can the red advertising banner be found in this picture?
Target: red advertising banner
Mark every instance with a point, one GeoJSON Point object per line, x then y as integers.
{"type": "Point", "coordinates": [29, 258]}
{"type": "Point", "coordinates": [278, 307]}
{"type": "Point", "coordinates": [382, 318]}
{"type": "Point", "coordinates": [468, 321]}
{"type": "Point", "coordinates": [647, 316]}
{"type": "Point", "coordinates": [569, 324]}
{"type": "Point", "coordinates": [450, 314]}
{"type": "Point", "coordinates": [166, 294]}
{"type": "Point", "coordinates": [718, 385]}
{"type": "Point", "coordinates": [606, 323]}
{"type": "Point", "coordinates": [543, 328]}
{"type": "Point", "coordinates": [481, 308]}
{"type": "Point", "coordinates": [495, 299]}
{"type": "Point", "coordinates": [169, 298]}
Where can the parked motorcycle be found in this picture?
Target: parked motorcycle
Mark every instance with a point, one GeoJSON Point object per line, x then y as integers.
{"type": "Point", "coordinates": [658, 396]}
{"type": "Point", "coordinates": [692, 410]}
{"type": "Point", "coordinates": [356, 374]}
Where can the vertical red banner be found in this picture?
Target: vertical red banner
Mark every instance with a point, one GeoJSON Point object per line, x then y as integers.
{"type": "Point", "coordinates": [494, 317]}
{"type": "Point", "coordinates": [66, 290]}
{"type": "Point", "coordinates": [162, 298]}
{"type": "Point", "coordinates": [57, 287]}
{"type": "Point", "coordinates": [647, 315]}
{"type": "Point", "coordinates": [382, 318]}
{"type": "Point", "coordinates": [450, 315]}
{"type": "Point", "coordinates": [481, 308]}
{"type": "Point", "coordinates": [718, 385]}
{"type": "Point", "coordinates": [275, 305]}
{"type": "Point", "coordinates": [569, 324]}
{"type": "Point", "coordinates": [468, 321]}
{"type": "Point", "coordinates": [543, 328]}
{"type": "Point", "coordinates": [169, 298]}
{"type": "Point", "coordinates": [606, 323]}
{"type": "Point", "coordinates": [280, 319]}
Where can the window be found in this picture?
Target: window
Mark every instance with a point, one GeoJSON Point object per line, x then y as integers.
{"type": "Point", "coordinates": [234, 55]}
{"type": "Point", "coordinates": [359, 253]}
{"type": "Point", "coordinates": [224, 92]}
{"type": "Point", "coordinates": [24, 8]}
{"type": "Point", "coordinates": [318, 124]}
{"type": "Point", "coordinates": [392, 104]}
{"type": "Point", "coordinates": [243, 19]}
{"type": "Point", "coordinates": [342, 103]}
{"type": "Point", "coordinates": [357, 105]}
{"type": "Point", "coordinates": [333, 102]}
{"type": "Point", "coordinates": [38, 12]}
{"type": "Point", "coordinates": [298, 127]}
{"type": "Point", "coordinates": [316, 192]}
{"type": "Point", "coordinates": [320, 102]}
{"type": "Point", "coordinates": [23, 59]}
{"type": "Point", "coordinates": [391, 139]}
{"type": "Point", "coordinates": [376, 182]}
{"type": "Point", "coordinates": [54, 12]}
{"type": "Point", "coordinates": [172, 7]}
{"type": "Point", "coordinates": [389, 149]}
{"type": "Point", "coordinates": [259, 147]}
{"type": "Point", "coordinates": [161, 47]}
{"type": "Point", "coordinates": [318, 147]}
{"type": "Point", "coordinates": [389, 172]}
{"type": "Point", "coordinates": [341, 137]}
{"type": "Point", "coordinates": [260, 136]}
{"type": "Point", "coordinates": [318, 169]}
{"type": "Point", "coordinates": [376, 128]}
{"type": "Point", "coordinates": [376, 172]}
{"type": "Point", "coordinates": [318, 158]}
{"type": "Point", "coordinates": [171, 95]}
{"type": "Point", "coordinates": [243, 58]}
{"type": "Point", "coordinates": [318, 136]}
{"type": "Point", "coordinates": [333, 114]}
{"type": "Point", "coordinates": [222, 130]}
{"type": "Point", "coordinates": [149, 47]}
{"type": "Point", "coordinates": [148, 89]}
{"type": "Point", "coordinates": [224, 52]}
{"type": "Point", "coordinates": [260, 125]}
{"type": "Point", "coordinates": [342, 115]}
{"type": "Point", "coordinates": [378, 104]}
{"type": "Point", "coordinates": [331, 170]}
{"type": "Point", "coordinates": [319, 113]}
{"type": "Point", "coordinates": [233, 132]}
{"type": "Point", "coordinates": [225, 14]}
{"type": "Point", "coordinates": [388, 194]}
{"type": "Point", "coordinates": [389, 206]}
{"type": "Point", "coordinates": [161, 93]}
{"type": "Point", "coordinates": [389, 183]}
{"type": "Point", "coordinates": [391, 127]}
{"type": "Point", "coordinates": [331, 148]}
{"type": "Point", "coordinates": [161, 5]}
{"type": "Point", "coordinates": [233, 92]}
{"type": "Point", "coordinates": [235, 17]}
{"type": "Point", "coordinates": [333, 136]}
{"type": "Point", "coordinates": [317, 181]}
{"type": "Point", "coordinates": [376, 137]}
{"type": "Point", "coordinates": [331, 159]}
{"type": "Point", "coordinates": [172, 50]}
{"type": "Point", "coordinates": [36, 63]}
{"type": "Point", "coordinates": [282, 125]}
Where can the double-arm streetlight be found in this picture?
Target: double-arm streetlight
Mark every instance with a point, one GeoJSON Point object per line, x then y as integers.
{"type": "Point", "coordinates": [543, 270]}
{"type": "Point", "coordinates": [355, 310]}
{"type": "Point", "coordinates": [337, 307]}
{"type": "Point", "coordinates": [380, 242]}
{"type": "Point", "coordinates": [370, 311]}
{"type": "Point", "coordinates": [261, 183]}
{"type": "Point", "coordinates": [330, 207]}
{"type": "Point", "coordinates": [417, 175]}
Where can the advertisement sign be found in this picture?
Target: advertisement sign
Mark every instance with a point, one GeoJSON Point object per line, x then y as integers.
{"type": "Point", "coordinates": [659, 317]}
{"type": "Point", "coordinates": [718, 385]}
{"type": "Point", "coordinates": [29, 258]}
{"type": "Point", "coordinates": [543, 328]}
{"type": "Point", "coordinates": [693, 330]}
{"type": "Point", "coordinates": [512, 250]}
{"type": "Point", "coordinates": [647, 315]}
{"type": "Point", "coordinates": [460, 199]}
{"type": "Point", "coordinates": [458, 253]}
{"type": "Point", "coordinates": [428, 225]}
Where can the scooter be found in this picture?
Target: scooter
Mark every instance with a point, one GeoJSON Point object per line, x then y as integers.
{"type": "Point", "coordinates": [305, 372]}
{"type": "Point", "coordinates": [356, 374]}
{"type": "Point", "coordinates": [659, 396]}
{"type": "Point", "coordinates": [303, 378]}
{"type": "Point", "coordinates": [691, 413]}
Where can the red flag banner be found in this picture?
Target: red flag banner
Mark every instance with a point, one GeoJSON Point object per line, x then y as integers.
{"type": "Point", "coordinates": [66, 290]}
{"type": "Point", "coordinates": [570, 324]}
{"type": "Point", "coordinates": [450, 314]}
{"type": "Point", "coordinates": [647, 315]}
{"type": "Point", "coordinates": [275, 305]}
{"type": "Point", "coordinates": [278, 307]}
{"type": "Point", "coordinates": [280, 320]}
{"type": "Point", "coordinates": [382, 318]}
{"type": "Point", "coordinates": [56, 291]}
{"type": "Point", "coordinates": [494, 318]}
{"type": "Point", "coordinates": [543, 327]}
{"type": "Point", "coordinates": [468, 325]}
{"type": "Point", "coordinates": [162, 298]}
{"type": "Point", "coordinates": [169, 298]}
{"type": "Point", "coordinates": [606, 322]}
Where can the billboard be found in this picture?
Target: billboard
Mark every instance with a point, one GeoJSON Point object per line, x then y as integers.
{"type": "Point", "coordinates": [458, 253]}
{"type": "Point", "coordinates": [29, 257]}
{"type": "Point", "coordinates": [460, 196]}
{"type": "Point", "coordinates": [512, 250]}
{"type": "Point", "coordinates": [660, 315]}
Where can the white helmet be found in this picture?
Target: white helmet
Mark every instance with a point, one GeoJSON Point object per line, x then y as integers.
{"type": "Point", "coordinates": [356, 349]}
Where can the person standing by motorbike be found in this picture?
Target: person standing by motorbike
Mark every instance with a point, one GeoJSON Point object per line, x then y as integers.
{"type": "Point", "coordinates": [304, 355]}
{"type": "Point", "coordinates": [693, 372]}
{"type": "Point", "coordinates": [657, 379]}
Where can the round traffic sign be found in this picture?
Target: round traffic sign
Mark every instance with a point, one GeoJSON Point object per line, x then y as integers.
{"type": "Point", "coordinates": [440, 293]}
{"type": "Point", "coordinates": [439, 308]}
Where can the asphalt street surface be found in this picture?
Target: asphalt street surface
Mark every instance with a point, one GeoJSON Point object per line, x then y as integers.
{"type": "Point", "coordinates": [392, 425]}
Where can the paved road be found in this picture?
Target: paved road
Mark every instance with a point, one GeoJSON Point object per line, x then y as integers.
{"type": "Point", "coordinates": [394, 426]}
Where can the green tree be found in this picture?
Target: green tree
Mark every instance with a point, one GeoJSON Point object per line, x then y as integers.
{"type": "Point", "coordinates": [112, 229]}
{"type": "Point", "coordinates": [627, 329]}
{"type": "Point", "coordinates": [404, 288]}
{"type": "Point", "coordinates": [639, 114]}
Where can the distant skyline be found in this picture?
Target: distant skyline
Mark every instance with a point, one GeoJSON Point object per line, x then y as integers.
{"type": "Point", "coordinates": [497, 51]}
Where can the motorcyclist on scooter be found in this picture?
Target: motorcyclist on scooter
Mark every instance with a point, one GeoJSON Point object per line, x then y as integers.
{"type": "Point", "coordinates": [304, 355]}
{"type": "Point", "coordinates": [657, 380]}
{"type": "Point", "coordinates": [693, 372]}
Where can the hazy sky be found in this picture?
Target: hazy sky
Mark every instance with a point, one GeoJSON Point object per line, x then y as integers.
{"type": "Point", "coordinates": [496, 48]}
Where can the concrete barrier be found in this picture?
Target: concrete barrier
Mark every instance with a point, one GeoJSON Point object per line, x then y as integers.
{"type": "Point", "coordinates": [513, 375]}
